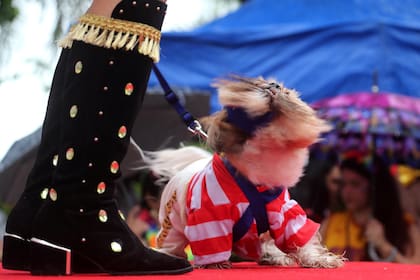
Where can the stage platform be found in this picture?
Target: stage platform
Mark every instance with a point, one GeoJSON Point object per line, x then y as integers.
{"type": "Point", "coordinates": [251, 271]}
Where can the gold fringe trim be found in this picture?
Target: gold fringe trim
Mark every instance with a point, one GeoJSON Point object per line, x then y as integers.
{"type": "Point", "coordinates": [114, 33]}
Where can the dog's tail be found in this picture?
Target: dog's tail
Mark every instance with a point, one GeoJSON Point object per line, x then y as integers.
{"type": "Point", "coordinates": [167, 162]}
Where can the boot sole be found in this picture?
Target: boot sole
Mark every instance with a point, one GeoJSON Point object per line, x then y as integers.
{"type": "Point", "coordinates": [51, 259]}
{"type": "Point", "coordinates": [15, 252]}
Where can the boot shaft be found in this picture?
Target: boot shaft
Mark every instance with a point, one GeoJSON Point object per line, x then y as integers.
{"type": "Point", "coordinates": [102, 95]}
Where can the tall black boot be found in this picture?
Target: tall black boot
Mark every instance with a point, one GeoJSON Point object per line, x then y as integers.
{"type": "Point", "coordinates": [18, 227]}
{"type": "Point", "coordinates": [79, 227]}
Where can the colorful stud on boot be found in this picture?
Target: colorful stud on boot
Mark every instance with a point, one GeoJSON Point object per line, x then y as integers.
{"type": "Point", "coordinates": [79, 228]}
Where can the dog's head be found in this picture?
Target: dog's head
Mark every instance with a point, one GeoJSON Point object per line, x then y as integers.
{"type": "Point", "coordinates": [262, 118]}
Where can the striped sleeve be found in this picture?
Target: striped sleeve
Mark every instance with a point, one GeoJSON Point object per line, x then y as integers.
{"type": "Point", "coordinates": [289, 225]}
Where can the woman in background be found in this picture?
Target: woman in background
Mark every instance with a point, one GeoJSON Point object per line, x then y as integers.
{"type": "Point", "coordinates": [373, 227]}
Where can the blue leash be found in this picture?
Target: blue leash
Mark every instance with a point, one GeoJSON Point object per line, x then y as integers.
{"type": "Point", "coordinates": [193, 125]}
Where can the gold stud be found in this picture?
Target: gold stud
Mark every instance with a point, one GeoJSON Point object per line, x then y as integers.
{"type": "Point", "coordinates": [101, 188]}
{"type": "Point", "coordinates": [116, 247]}
{"type": "Point", "coordinates": [129, 88]}
{"type": "Point", "coordinates": [122, 132]}
{"type": "Point", "coordinates": [78, 67]}
{"type": "Point", "coordinates": [103, 216]}
{"type": "Point", "coordinates": [114, 167]}
{"type": "Point", "coordinates": [70, 154]}
{"type": "Point", "coordinates": [55, 160]}
{"type": "Point", "coordinates": [53, 194]}
{"type": "Point", "coordinates": [44, 193]}
{"type": "Point", "coordinates": [121, 215]}
{"type": "Point", "coordinates": [73, 111]}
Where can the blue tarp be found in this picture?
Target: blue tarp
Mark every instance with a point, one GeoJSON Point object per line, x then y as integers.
{"type": "Point", "coordinates": [319, 47]}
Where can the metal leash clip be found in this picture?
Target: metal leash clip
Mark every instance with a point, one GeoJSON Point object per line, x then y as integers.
{"type": "Point", "coordinates": [197, 130]}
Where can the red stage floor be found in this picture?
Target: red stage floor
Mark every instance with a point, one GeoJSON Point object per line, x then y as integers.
{"type": "Point", "coordinates": [245, 271]}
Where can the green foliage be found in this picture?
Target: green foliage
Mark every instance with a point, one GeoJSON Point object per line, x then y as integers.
{"type": "Point", "coordinates": [8, 12]}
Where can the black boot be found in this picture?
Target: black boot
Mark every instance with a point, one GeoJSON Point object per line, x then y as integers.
{"type": "Point", "coordinates": [18, 227]}
{"type": "Point", "coordinates": [79, 227]}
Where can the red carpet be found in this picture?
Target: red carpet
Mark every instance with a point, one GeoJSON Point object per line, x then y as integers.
{"type": "Point", "coordinates": [245, 271]}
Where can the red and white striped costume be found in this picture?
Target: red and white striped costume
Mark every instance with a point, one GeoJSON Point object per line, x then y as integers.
{"type": "Point", "coordinates": [214, 203]}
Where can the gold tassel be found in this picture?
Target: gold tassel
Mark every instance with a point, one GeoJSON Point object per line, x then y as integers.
{"type": "Point", "coordinates": [92, 34]}
{"type": "Point", "coordinates": [133, 41]}
{"type": "Point", "coordinates": [149, 47]}
{"type": "Point", "coordinates": [80, 32]}
{"type": "Point", "coordinates": [117, 40]}
{"type": "Point", "coordinates": [65, 42]}
{"type": "Point", "coordinates": [109, 40]}
{"type": "Point", "coordinates": [114, 33]}
{"type": "Point", "coordinates": [155, 51]}
{"type": "Point", "coordinates": [143, 46]}
{"type": "Point", "coordinates": [101, 39]}
{"type": "Point", "coordinates": [123, 41]}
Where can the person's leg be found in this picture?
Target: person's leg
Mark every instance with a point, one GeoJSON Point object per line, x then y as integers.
{"type": "Point", "coordinates": [18, 228]}
{"type": "Point", "coordinates": [79, 228]}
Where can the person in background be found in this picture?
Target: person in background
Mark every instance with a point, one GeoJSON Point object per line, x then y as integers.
{"type": "Point", "coordinates": [409, 182]}
{"type": "Point", "coordinates": [318, 190]}
{"type": "Point", "coordinates": [373, 226]}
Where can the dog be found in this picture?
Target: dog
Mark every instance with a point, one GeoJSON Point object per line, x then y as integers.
{"type": "Point", "coordinates": [236, 200]}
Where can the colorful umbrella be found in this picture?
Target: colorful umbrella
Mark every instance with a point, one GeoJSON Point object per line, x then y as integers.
{"type": "Point", "coordinates": [386, 123]}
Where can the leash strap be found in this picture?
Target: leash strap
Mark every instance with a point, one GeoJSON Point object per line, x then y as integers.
{"type": "Point", "coordinates": [257, 202]}
{"type": "Point", "coordinates": [193, 125]}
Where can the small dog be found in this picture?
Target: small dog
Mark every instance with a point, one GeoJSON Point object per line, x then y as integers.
{"type": "Point", "coordinates": [236, 200]}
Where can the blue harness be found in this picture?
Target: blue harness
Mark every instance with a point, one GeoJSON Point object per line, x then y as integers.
{"type": "Point", "coordinates": [257, 202]}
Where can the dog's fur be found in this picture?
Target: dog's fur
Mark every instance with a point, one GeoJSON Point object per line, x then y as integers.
{"type": "Point", "coordinates": [274, 155]}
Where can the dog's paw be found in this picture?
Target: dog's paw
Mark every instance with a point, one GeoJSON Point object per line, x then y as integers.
{"type": "Point", "coordinates": [277, 259]}
{"type": "Point", "coordinates": [220, 265]}
{"type": "Point", "coordinates": [316, 255]}
{"type": "Point", "coordinates": [327, 260]}
{"type": "Point", "coordinates": [271, 255]}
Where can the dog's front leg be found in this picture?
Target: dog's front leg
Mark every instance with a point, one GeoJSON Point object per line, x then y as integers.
{"type": "Point", "coordinates": [271, 255]}
{"type": "Point", "coordinates": [314, 254]}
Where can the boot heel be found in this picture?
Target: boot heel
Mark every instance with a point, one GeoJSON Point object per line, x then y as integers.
{"type": "Point", "coordinates": [49, 259]}
{"type": "Point", "coordinates": [15, 252]}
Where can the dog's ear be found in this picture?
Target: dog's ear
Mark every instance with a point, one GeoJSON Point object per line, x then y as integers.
{"type": "Point", "coordinates": [223, 137]}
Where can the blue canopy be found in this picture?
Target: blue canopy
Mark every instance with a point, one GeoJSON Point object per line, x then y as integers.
{"type": "Point", "coordinates": [319, 47]}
